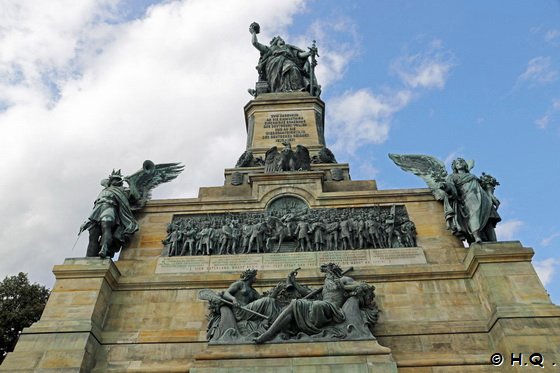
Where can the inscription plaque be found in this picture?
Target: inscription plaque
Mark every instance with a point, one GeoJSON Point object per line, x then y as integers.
{"type": "Point", "coordinates": [343, 258]}
{"type": "Point", "coordinates": [285, 127]}
{"type": "Point", "coordinates": [239, 263]}
{"type": "Point", "coordinates": [183, 264]}
{"type": "Point", "coordinates": [405, 255]}
{"type": "Point", "coordinates": [289, 261]}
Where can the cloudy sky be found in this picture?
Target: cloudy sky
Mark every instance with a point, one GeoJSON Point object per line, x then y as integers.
{"type": "Point", "coordinates": [91, 85]}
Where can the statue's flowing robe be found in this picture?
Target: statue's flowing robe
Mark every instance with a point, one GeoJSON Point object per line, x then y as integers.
{"type": "Point", "coordinates": [113, 202]}
{"type": "Point", "coordinates": [284, 69]}
{"type": "Point", "coordinates": [470, 207]}
{"type": "Point", "coordinates": [311, 315]}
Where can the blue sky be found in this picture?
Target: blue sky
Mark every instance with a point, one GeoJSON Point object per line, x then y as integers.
{"type": "Point", "coordinates": [167, 81]}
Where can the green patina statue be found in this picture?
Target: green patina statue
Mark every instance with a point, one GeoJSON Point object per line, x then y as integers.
{"type": "Point", "coordinates": [342, 309]}
{"type": "Point", "coordinates": [284, 67]}
{"type": "Point", "coordinates": [470, 206]}
{"type": "Point", "coordinates": [112, 222]}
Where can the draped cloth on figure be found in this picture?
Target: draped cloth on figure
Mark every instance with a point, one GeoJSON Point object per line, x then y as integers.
{"type": "Point", "coordinates": [284, 69]}
{"type": "Point", "coordinates": [472, 208]}
{"type": "Point", "coordinates": [311, 315]}
{"type": "Point", "coordinates": [112, 204]}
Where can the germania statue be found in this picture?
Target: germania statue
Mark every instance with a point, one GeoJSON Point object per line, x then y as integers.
{"type": "Point", "coordinates": [283, 67]}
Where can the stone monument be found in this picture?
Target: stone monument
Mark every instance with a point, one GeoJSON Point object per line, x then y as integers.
{"type": "Point", "coordinates": [336, 275]}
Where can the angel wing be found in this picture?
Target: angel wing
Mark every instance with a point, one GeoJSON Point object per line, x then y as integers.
{"type": "Point", "coordinates": [302, 160]}
{"type": "Point", "coordinates": [150, 176]}
{"type": "Point", "coordinates": [430, 169]}
{"type": "Point", "coordinates": [271, 160]}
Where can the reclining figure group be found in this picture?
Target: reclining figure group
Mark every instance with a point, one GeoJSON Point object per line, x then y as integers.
{"type": "Point", "coordinates": [341, 309]}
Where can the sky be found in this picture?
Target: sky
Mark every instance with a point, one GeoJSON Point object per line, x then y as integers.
{"type": "Point", "coordinates": [91, 85]}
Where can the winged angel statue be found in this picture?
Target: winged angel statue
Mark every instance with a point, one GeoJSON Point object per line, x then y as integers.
{"type": "Point", "coordinates": [469, 203]}
{"type": "Point", "coordinates": [112, 222]}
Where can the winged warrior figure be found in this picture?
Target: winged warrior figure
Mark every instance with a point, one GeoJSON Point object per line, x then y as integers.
{"type": "Point", "coordinates": [111, 222]}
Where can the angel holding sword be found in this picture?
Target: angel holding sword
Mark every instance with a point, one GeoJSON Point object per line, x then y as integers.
{"type": "Point", "coordinates": [111, 222]}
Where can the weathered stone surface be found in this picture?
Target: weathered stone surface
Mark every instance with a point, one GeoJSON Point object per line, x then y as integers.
{"type": "Point", "coordinates": [351, 356]}
{"type": "Point", "coordinates": [295, 117]}
{"type": "Point", "coordinates": [287, 261]}
{"type": "Point", "coordinates": [443, 308]}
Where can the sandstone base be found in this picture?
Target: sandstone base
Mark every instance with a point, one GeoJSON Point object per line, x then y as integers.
{"type": "Point", "coordinates": [343, 357]}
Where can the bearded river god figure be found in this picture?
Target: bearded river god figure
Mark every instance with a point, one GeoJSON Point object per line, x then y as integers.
{"type": "Point", "coordinates": [291, 312]}
{"type": "Point", "coordinates": [469, 203]}
{"type": "Point", "coordinates": [111, 222]}
{"type": "Point", "coordinates": [284, 67]}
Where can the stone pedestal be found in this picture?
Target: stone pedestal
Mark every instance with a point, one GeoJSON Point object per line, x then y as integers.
{"type": "Point", "coordinates": [67, 337]}
{"type": "Point", "coordinates": [274, 118]}
{"type": "Point", "coordinates": [444, 308]}
{"type": "Point", "coordinates": [327, 357]}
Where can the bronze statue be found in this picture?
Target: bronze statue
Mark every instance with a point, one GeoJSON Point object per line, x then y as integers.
{"type": "Point", "coordinates": [112, 222]}
{"type": "Point", "coordinates": [343, 309]}
{"type": "Point", "coordinates": [470, 210]}
{"type": "Point", "coordinates": [325, 155]}
{"type": "Point", "coordinates": [284, 67]}
{"type": "Point", "coordinates": [287, 159]}
{"type": "Point", "coordinates": [469, 203]}
{"type": "Point", "coordinates": [239, 311]}
{"type": "Point", "coordinates": [290, 228]}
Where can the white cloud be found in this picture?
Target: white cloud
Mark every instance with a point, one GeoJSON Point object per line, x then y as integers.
{"type": "Point", "coordinates": [550, 115]}
{"type": "Point", "coordinates": [361, 117]}
{"type": "Point", "coordinates": [43, 43]}
{"type": "Point", "coordinates": [338, 43]}
{"type": "Point", "coordinates": [542, 122]}
{"type": "Point", "coordinates": [508, 230]}
{"type": "Point", "coordinates": [546, 269]}
{"type": "Point", "coordinates": [87, 94]}
{"type": "Point", "coordinates": [552, 36]}
{"type": "Point", "coordinates": [548, 240]}
{"type": "Point", "coordinates": [427, 69]}
{"type": "Point", "coordinates": [539, 71]}
{"type": "Point", "coordinates": [367, 168]}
